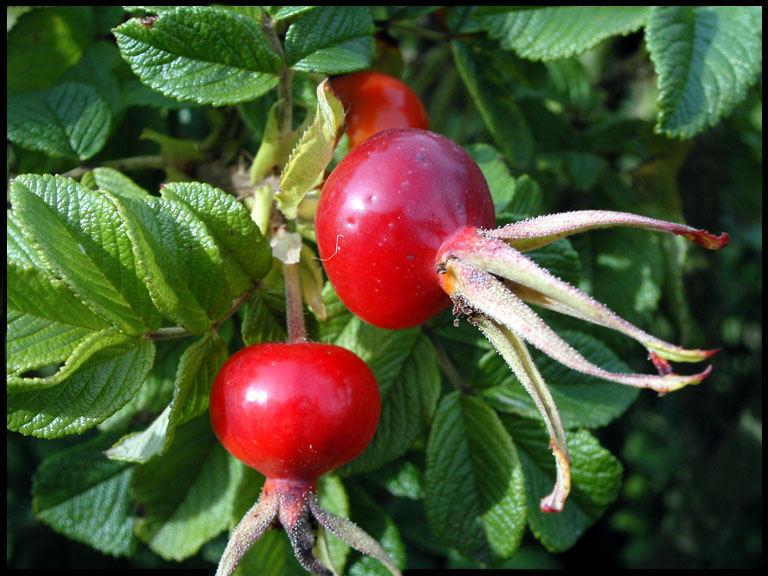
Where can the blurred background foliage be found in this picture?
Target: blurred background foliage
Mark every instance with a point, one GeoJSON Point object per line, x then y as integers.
{"type": "Point", "coordinates": [692, 493]}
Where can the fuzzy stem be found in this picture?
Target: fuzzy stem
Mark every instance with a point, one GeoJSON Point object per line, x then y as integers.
{"type": "Point", "coordinates": [252, 527]}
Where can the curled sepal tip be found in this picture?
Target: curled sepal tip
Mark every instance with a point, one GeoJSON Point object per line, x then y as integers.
{"type": "Point", "coordinates": [542, 230]}
{"type": "Point", "coordinates": [292, 505]}
{"type": "Point", "coordinates": [535, 285]}
{"type": "Point", "coordinates": [517, 357]}
{"type": "Point", "coordinates": [484, 293]}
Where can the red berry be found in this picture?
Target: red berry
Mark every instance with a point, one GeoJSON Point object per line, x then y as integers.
{"type": "Point", "coordinates": [295, 411]}
{"type": "Point", "coordinates": [383, 215]}
{"type": "Point", "coordinates": [375, 102]}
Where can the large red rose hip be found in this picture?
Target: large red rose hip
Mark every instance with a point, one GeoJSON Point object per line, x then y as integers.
{"type": "Point", "coordinates": [384, 212]}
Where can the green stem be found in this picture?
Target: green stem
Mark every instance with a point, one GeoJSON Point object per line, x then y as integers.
{"type": "Point", "coordinates": [170, 332]}
{"type": "Point", "coordinates": [152, 162]}
{"type": "Point", "coordinates": [446, 365]}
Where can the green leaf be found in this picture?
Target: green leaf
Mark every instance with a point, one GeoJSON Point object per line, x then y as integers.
{"type": "Point", "coordinates": [188, 54]}
{"type": "Point", "coordinates": [71, 120]}
{"type": "Point", "coordinates": [45, 43]}
{"type": "Point", "coordinates": [706, 58]}
{"type": "Point", "coordinates": [583, 401]}
{"type": "Point", "coordinates": [198, 367]}
{"type": "Point", "coordinates": [19, 248]}
{"type": "Point", "coordinates": [182, 511]}
{"type": "Point", "coordinates": [513, 198]}
{"type": "Point", "coordinates": [312, 153]}
{"type": "Point", "coordinates": [560, 259]}
{"type": "Point", "coordinates": [83, 240]}
{"type": "Point", "coordinates": [271, 555]}
{"type": "Point", "coordinates": [38, 295]}
{"type": "Point", "coordinates": [595, 475]}
{"type": "Point", "coordinates": [264, 319]}
{"type": "Point", "coordinates": [181, 262]}
{"type": "Point", "coordinates": [558, 32]}
{"type": "Point", "coordinates": [331, 40]}
{"type": "Point", "coordinates": [102, 68]}
{"type": "Point", "coordinates": [405, 367]}
{"type": "Point", "coordinates": [196, 370]}
{"type": "Point", "coordinates": [83, 495]}
{"type": "Point", "coordinates": [102, 384]}
{"type": "Point", "coordinates": [285, 12]}
{"type": "Point", "coordinates": [475, 495]}
{"type": "Point", "coordinates": [246, 253]}
{"type": "Point", "coordinates": [156, 392]}
{"type": "Point", "coordinates": [487, 85]}
{"type": "Point", "coordinates": [33, 343]}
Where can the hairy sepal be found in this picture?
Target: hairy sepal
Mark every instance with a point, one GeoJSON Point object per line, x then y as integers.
{"type": "Point", "coordinates": [535, 285]}
{"type": "Point", "coordinates": [516, 355]}
{"type": "Point", "coordinates": [542, 230]}
{"type": "Point", "coordinates": [486, 295]}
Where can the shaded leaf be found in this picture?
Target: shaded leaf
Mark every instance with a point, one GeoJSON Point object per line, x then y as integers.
{"type": "Point", "coordinates": [71, 120]}
{"type": "Point", "coordinates": [405, 367]}
{"type": "Point", "coordinates": [706, 58]}
{"type": "Point", "coordinates": [485, 83]}
{"type": "Point", "coordinates": [583, 401]}
{"type": "Point", "coordinates": [183, 511]}
{"type": "Point", "coordinates": [595, 475]}
{"type": "Point", "coordinates": [474, 490]}
{"type": "Point", "coordinates": [80, 493]}
{"type": "Point", "coordinates": [45, 43]}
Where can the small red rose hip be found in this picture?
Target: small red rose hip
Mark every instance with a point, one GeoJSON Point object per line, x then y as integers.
{"type": "Point", "coordinates": [375, 102]}
{"type": "Point", "coordinates": [383, 215]}
{"type": "Point", "coordinates": [294, 411]}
